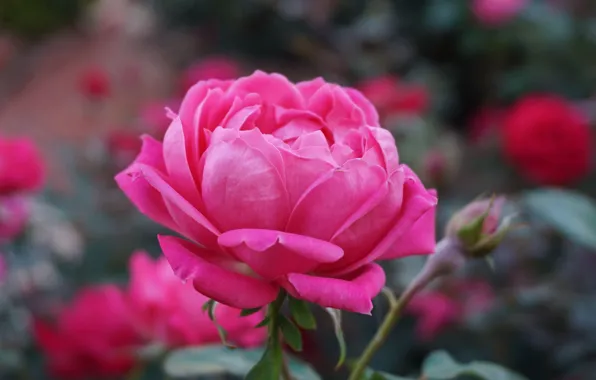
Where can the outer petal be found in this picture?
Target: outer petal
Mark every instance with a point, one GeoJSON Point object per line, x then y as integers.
{"type": "Point", "coordinates": [416, 203]}
{"type": "Point", "coordinates": [189, 220]}
{"type": "Point", "coordinates": [273, 88]}
{"type": "Point", "coordinates": [310, 87]}
{"type": "Point", "coordinates": [330, 201]}
{"type": "Point", "coordinates": [242, 188]}
{"type": "Point", "coordinates": [353, 293]}
{"type": "Point", "coordinates": [370, 112]}
{"type": "Point", "coordinates": [387, 145]}
{"type": "Point", "coordinates": [420, 240]}
{"type": "Point", "coordinates": [272, 254]}
{"type": "Point", "coordinates": [218, 283]}
{"type": "Point", "coordinates": [139, 191]}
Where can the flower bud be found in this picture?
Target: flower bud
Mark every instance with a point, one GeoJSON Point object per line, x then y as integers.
{"type": "Point", "coordinates": [477, 226]}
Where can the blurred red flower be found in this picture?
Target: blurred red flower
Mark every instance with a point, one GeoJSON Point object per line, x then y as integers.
{"type": "Point", "coordinates": [484, 124]}
{"type": "Point", "coordinates": [22, 167]}
{"type": "Point", "coordinates": [390, 97]}
{"type": "Point", "coordinates": [156, 119]}
{"type": "Point", "coordinates": [547, 140]}
{"type": "Point", "coordinates": [14, 215]}
{"type": "Point", "coordinates": [95, 83]}
{"type": "Point", "coordinates": [92, 336]}
{"type": "Point", "coordinates": [123, 146]}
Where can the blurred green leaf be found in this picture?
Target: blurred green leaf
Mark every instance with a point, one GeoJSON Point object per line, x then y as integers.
{"type": "Point", "coordinates": [219, 360]}
{"type": "Point", "coordinates": [339, 334]}
{"type": "Point", "coordinates": [291, 333]}
{"type": "Point", "coordinates": [269, 366]}
{"type": "Point", "coordinates": [439, 365]}
{"type": "Point", "coordinates": [571, 213]}
{"type": "Point", "coordinates": [302, 314]}
{"type": "Point", "coordinates": [379, 375]}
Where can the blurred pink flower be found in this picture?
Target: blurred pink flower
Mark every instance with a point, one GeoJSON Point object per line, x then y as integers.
{"type": "Point", "coordinates": [497, 12]}
{"type": "Point", "coordinates": [294, 182]}
{"type": "Point", "coordinates": [92, 336]}
{"type": "Point", "coordinates": [3, 268]}
{"type": "Point", "coordinates": [14, 215]}
{"type": "Point", "coordinates": [22, 167]}
{"type": "Point", "coordinates": [455, 302]}
{"type": "Point", "coordinates": [123, 146]}
{"type": "Point", "coordinates": [170, 312]}
{"type": "Point", "coordinates": [435, 311]}
{"type": "Point", "coordinates": [221, 68]}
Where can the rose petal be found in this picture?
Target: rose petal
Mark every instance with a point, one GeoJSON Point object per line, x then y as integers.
{"type": "Point", "coordinates": [369, 110]}
{"type": "Point", "coordinates": [417, 201]}
{"type": "Point", "coordinates": [272, 254]}
{"type": "Point", "coordinates": [242, 188]}
{"type": "Point", "coordinates": [330, 201]}
{"type": "Point", "coordinates": [220, 284]}
{"type": "Point", "coordinates": [273, 89]}
{"type": "Point", "coordinates": [352, 293]}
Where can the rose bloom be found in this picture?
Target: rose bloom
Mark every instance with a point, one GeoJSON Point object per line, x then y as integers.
{"type": "Point", "coordinates": [14, 215]}
{"type": "Point", "coordinates": [547, 140]}
{"type": "Point", "coordinates": [210, 68]}
{"type": "Point", "coordinates": [474, 210]}
{"type": "Point", "coordinates": [21, 166]}
{"type": "Point", "coordinates": [497, 12]}
{"type": "Point", "coordinates": [280, 185]}
{"type": "Point", "coordinates": [167, 311]}
{"type": "Point", "coordinates": [92, 336]}
{"type": "Point", "coordinates": [390, 97]}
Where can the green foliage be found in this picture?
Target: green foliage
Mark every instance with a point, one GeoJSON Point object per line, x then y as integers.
{"type": "Point", "coordinates": [34, 18]}
{"type": "Point", "coordinates": [439, 365]}
{"type": "Point", "coordinates": [570, 213]}
{"type": "Point", "coordinates": [302, 314]}
{"type": "Point", "coordinates": [218, 360]}
{"type": "Point", "coordinates": [339, 334]}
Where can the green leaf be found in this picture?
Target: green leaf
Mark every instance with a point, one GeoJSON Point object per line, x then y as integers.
{"type": "Point", "coordinates": [223, 335]}
{"type": "Point", "coordinates": [302, 314]}
{"type": "Point", "coordinates": [291, 333]}
{"type": "Point", "coordinates": [571, 213]}
{"type": "Point", "coordinates": [247, 312]}
{"type": "Point", "coordinates": [339, 334]}
{"type": "Point", "coordinates": [269, 367]}
{"type": "Point", "coordinates": [439, 365]}
{"type": "Point", "coordinates": [264, 322]}
{"type": "Point", "coordinates": [201, 361]}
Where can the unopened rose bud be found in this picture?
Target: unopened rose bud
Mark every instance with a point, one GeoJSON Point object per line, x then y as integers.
{"type": "Point", "coordinates": [478, 227]}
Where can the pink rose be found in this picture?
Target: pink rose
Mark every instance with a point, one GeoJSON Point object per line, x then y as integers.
{"type": "Point", "coordinates": [14, 215]}
{"type": "Point", "coordinates": [21, 166]}
{"type": "Point", "coordinates": [93, 336]}
{"type": "Point", "coordinates": [210, 68]}
{"type": "Point", "coordinates": [167, 311]}
{"type": "Point", "coordinates": [474, 210]}
{"type": "Point", "coordinates": [497, 12]}
{"type": "Point", "coordinates": [280, 185]}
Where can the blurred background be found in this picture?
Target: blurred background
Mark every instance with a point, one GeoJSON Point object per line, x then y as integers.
{"type": "Point", "coordinates": [482, 96]}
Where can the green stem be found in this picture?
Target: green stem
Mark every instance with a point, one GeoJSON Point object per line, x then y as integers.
{"type": "Point", "coordinates": [395, 310]}
{"type": "Point", "coordinates": [274, 337]}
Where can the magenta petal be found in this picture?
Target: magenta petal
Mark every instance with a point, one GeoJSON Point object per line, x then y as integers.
{"type": "Point", "coordinates": [273, 89]}
{"type": "Point", "coordinates": [353, 293]}
{"type": "Point", "coordinates": [176, 160]}
{"type": "Point", "coordinates": [275, 253]}
{"type": "Point", "coordinates": [370, 112]}
{"type": "Point", "coordinates": [417, 201]}
{"type": "Point", "coordinates": [220, 284]}
{"type": "Point", "coordinates": [191, 222]}
{"type": "Point", "coordinates": [144, 196]}
{"type": "Point", "coordinates": [420, 240]}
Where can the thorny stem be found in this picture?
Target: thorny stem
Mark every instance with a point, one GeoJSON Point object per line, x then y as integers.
{"type": "Point", "coordinates": [446, 248]}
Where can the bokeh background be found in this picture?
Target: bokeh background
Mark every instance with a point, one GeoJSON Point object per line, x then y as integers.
{"type": "Point", "coordinates": [482, 96]}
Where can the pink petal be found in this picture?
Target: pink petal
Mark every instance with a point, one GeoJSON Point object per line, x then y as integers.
{"type": "Point", "coordinates": [417, 201]}
{"type": "Point", "coordinates": [353, 293]}
{"type": "Point", "coordinates": [368, 225]}
{"type": "Point", "coordinates": [310, 87]}
{"type": "Point", "coordinates": [222, 285]}
{"type": "Point", "coordinates": [177, 163]}
{"type": "Point", "coordinates": [190, 221]}
{"type": "Point", "coordinates": [330, 201]}
{"type": "Point", "coordinates": [369, 110]}
{"type": "Point", "coordinates": [387, 145]}
{"type": "Point", "coordinates": [242, 187]}
{"type": "Point", "coordinates": [273, 89]}
{"type": "Point", "coordinates": [420, 240]}
{"type": "Point", "coordinates": [144, 196]}
{"type": "Point", "coordinates": [272, 254]}
{"type": "Point", "coordinates": [294, 123]}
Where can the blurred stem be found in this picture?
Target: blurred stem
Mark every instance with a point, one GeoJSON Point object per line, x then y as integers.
{"type": "Point", "coordinates": [274, 336]}
{"type": "Point", "coordinates": [431, 270]}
